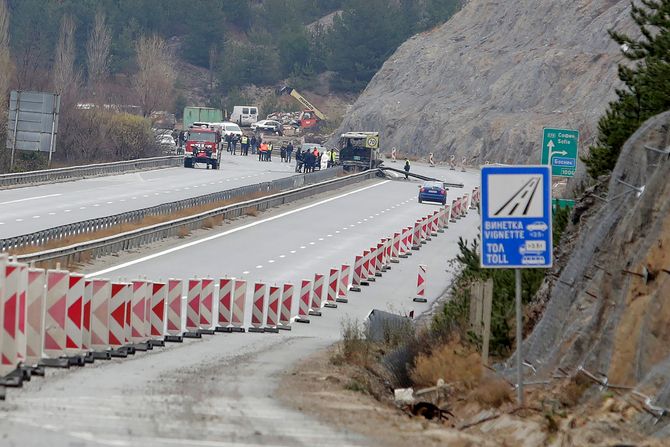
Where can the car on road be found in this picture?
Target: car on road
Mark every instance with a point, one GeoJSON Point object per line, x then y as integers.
{"type": "Point", "coordinates": [537, 226]}
{"type": "Point", "coordinates": [267, 125]}
{"type": "Point", "coordinates": [432, 191]}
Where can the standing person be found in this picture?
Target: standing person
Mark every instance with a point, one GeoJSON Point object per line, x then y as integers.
{"type": "Point", "coordinates": [407, 167]}
{"type": "Point", "coordinates": [289, 151]}
{"type": "Point", "coordinates": [229, 140]}
{"type": "Point", "coordinates": [331, 160]}
{"type": "Point", "coordinates": [282, 153]}
{"type": "Point", "coordinates": [298, 161]}
{"type": "Point", "coordinates": [269, 153]}
{"type": "Point", "coordinates": [261, 152]}
{"type": "Point", "coordinates": [252, 142]}
{"type": "Point", "coordinates": [244, 145]}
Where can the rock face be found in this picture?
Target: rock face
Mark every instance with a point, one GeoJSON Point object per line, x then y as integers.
{"type": "Point", "coordinates": [484, 84]}
{"type": "Point", "coordinates": [602, 314]}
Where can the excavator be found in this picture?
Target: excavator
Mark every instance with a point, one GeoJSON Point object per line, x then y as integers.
{"type": "Point", "coordinates": [311, 116]}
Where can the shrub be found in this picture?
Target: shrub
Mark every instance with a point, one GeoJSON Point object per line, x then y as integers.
{"type": "Point", "coordinates": [452, 362]}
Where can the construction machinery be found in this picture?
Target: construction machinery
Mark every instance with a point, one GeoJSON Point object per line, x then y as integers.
{"type": "Point", "coordinates": [310, 116]}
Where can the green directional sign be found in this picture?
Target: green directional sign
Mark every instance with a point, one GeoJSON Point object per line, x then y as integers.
{"type": "Point", "coordinates": [562, 203]}
{"type": "Point", "coordinates": [559, 150]}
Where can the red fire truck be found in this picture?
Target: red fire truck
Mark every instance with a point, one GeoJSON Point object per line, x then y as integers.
{"type": "Point", "coordinates": [203, 145]}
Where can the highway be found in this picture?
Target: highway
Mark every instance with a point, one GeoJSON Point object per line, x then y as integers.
{"type": "Point", "coordinates": [219, 391]}
{"type": "Point", "coordinates": [25, 210]}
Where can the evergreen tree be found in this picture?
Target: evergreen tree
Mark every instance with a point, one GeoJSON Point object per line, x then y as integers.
{"type": "Point", "coordinates": [647, 84]}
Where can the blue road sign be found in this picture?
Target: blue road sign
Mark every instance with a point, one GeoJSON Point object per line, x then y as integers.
{"type": "Point", "coordinates": [516, 217]}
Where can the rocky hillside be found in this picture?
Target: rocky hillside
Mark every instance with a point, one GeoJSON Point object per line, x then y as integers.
{"type": "Point", "coordinates": [607, 309]}
{"type": "Point", "coordinates": [485, 83]}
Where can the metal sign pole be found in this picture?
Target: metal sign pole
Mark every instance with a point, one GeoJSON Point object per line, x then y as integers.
{"type": "Point", "coordinates": [16, 124]}
{"type": "Point", "coordinates": [53, 127]}
{"type": "Point", "coordinates": [519, 339]}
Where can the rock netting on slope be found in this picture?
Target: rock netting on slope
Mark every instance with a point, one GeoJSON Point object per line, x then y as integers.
{"type": "Point", "coordinates": [600, 316]}
{"type": "Point", "coordinates": [485, 83]}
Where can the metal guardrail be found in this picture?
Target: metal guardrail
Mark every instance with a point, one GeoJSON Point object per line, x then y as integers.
{"type": "Point", "coordinates": [137, 238]}
{"type": "Point", "coordinates": [78, 172]}
{"type": "Point", "coordinates": [43, 237]}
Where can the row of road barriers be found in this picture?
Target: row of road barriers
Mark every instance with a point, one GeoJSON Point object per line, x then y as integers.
{"type": "Point", "coordinates": [56, 175]}
{"type": "Point", "coordinates": [59, 319]}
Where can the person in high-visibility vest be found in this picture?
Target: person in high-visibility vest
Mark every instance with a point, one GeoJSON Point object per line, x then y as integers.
{"type": "Point", "coordinates": [245, 145]}
{"type": "Point", "coordinates": [407, 167]}
{"type": "Point", "coordinates": [331, 161]}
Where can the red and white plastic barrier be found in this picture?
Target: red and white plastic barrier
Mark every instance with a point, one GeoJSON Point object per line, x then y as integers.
{"type": "Point", "coordinates": [55, 313]}
{"type": "Point", "coordinates": [34, 312]}
{"type": "Point", "coordinates": [421, 285]}
{"type": "Point", "coordinates": [117, 315]}
{"type": "Point", "coordinates": [358, 270]}
{"type": "Point", "coordinates": [333, 283]}
{"type": "Point", "coordinates": [138, 311]}
{"type": "Point", "coordinates": [395, 250]}
{"type": "Point", "coordinates": [317, 292]}
{"type": "Point", "coordinates": [453, 211]}
{"type": "Point", "coordinates": [174, 320]}
{"type": "Point", "coordinates": [343, 287]}
{"type": "Point", "coordinates": [207, 304]}
{"type": "Point", "coordinates": [305, 300]}
{"type": "Point", "coordinates": [381, 250]}
{"type": "Point", "coordinates": [100, 300]}
{"type": "Point", "coordinates": [286, 306]}
{"type": "Point", "coordinates": [416, 235]}
{"type": "Point", "coordinates": [86, 317]}
{"type": "Point", "coordinates": [75, 316]}
{"type": "Point", "coordinates": [157, 313]}
{"type": "Point", "coordinates": [193, 292]}
{"type": "Point", "coordinates": [372, 272]}
{"type": "Point", "coordinates": [271, 320]}
{"type": "Point", "coordinates": [225, 301]}
{"type": "Point", "coordinates": [128, 295]}
{"type": "Point", "coordinates": [257, 305]}
{"type": "Point", "coordinates": [434, 225]}
{"type": "Point", "coordinates": [239, 302]}
{"type": "Point", "coordinates": [365, 271]}
{"type": "Point", "coordinates": [466, 204]}
{"type": "Point", "coordinates": [10, 310]}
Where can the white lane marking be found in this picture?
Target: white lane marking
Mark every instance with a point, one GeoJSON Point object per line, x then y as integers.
{"type": "Point", "coordinates": [282, 256]}
{"type": "Point", "coordinates": [19, 220]}
{"type": "Point", "coordinates": [2, 223]}
{"type": "Point", "coordinates": [109, 203]}
{"type": "Point", "coordinates": [359, 222]}
{"type": "Point", "coordinates": [29, 198]}
{"type": "Point", "coordinates": [97, 204]}
{"type": "Point", "coordinates": [302, 247]}
{"type": "Point", "coordinates": [67, 211]}
{"type": "Point", "coordinates": [292, 252]}
{"type": "Point", "coordinates": [52, 214]}
{"type": "Point", "coordinates": [122, 200]}
{"type": "Point", "coordinates": [232, 231]}
{"type": "Point", "coordinates": [330, 235]}
{"type": "Point", "coordinates": [36, 217]}
{"type": "Point", "coordinates": [320, 238]}
{"type": "Point", "coordinates": [271, 261]}
{"type": "Point", "coordinates": [259, 266]}
{"type": "Point", "coordinates": [312, 243]}
{"type": "Point", "coordinates": [337, 231]}
{"type": "Point", "coordinates": [246, 272]}
{"type": "Point", "coordinates": [82, 207]}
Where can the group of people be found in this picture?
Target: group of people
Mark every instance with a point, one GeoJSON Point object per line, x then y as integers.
{"type": "Point", "coordinates": [307, 160]}
{"type": "Point", "coordinates": [254, 143]}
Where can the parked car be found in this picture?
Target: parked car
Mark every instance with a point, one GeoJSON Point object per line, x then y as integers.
{"type": "Point", "coordinates": [267, 125]}
{"type": "Point", "coordinates": [167, 143]}
{"type": "Point", "coordinates": [227, 127]}
{"type": "Point", "coordinates": [432, 191]}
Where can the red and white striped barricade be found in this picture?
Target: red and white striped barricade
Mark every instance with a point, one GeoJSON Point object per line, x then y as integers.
{"type": "Point", "coordinates": [317, 295]}
{"type": "Point", "coordinates": [225, 304]}
{"type": "Point", "coordinates": [345, 271]}
{"type": "Point", "coordinates": [117, 320]}
{"type": "Point", "coordinates": [365, 271]}
{"type": "Point", "coordinates": [372, 267]}
{"type": "Point", "coordinates": [379, 266]}
{"type": "Point", "coordinates": [333, 283]}
{"type": "Point", "coordinates": [138, 315]}
{"type": "Point", "coordinates": [157, 313]}
{"type": "Point", "coordinates": [388, 252]}
{"type": "Point", "coordinates": [385, 248]}
{"type": "Point", "coordinates": [406, 243]}
{"type": "Point", "coordinates": [286, 307]}
{"type": "Point", "coordinates": [425, 233]}
{"type": "Point", "coordinates": [74, 320]}
{"type": "Point", "coordinates": [207, 307]}
{"type": "Point", "coordinates": [474, 204]}
{"type": "Point", "coordinates": [434, 223]}
{"type": "Point", "coordinates": [193, 292]}
{"type": "Point", "coordinates": [395, 249]}
{"type": "Point", "coordinates": [453, 211]}
{"type": "Point", "coordinates": [128, 295]}
{"type": "Point", "coordinates": [356, 278]}
{"type": "Point", "coordinates": [21, 335]}
{"type": "Point", "coordinates": [239, 305]}
{"type": "Point", "coordinates": [55, 309]}
{"type": "Point", "coordinates": [421, 285]}
{"type": "Point", "coordinates": [304, 301]}
{"type": "Point", "coordinates": [174, 326]}
{"type": "Point", "coordinates": [272, 317]}
{"type": "Point", "coordinates": [445, 217]}
{"type": "Point", "coordinates": [465, 205]}
{"type": "Point", "coordinates": [34, 315]}
{"type": "Point", "coordinates": [86, 321]}
{"type": "Point", "coordinates": [101, 293]}
{"type": "Point", "coordinates": [257, 306]}
{"type": "Point", "coordinates": [13, 345]}
{"type": "Point", "coordinates": [416, 235]}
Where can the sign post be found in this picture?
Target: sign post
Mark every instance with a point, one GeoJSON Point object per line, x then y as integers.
{"type": "Point", "coordinates": [560, 148]}
{"type": "Point", "coordinates": [516, 229]}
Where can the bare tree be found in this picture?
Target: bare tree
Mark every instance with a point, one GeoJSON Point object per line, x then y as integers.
{"type": "Point", "coordinates": [65, 77]}
{"type": "Point", "coordinates": [155, 78]}
{"type": "Point", "coordinates": [97, 51]}
{"type": "Point", "coordinates": [5, 60]}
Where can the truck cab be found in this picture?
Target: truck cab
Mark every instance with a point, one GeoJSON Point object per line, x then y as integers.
{"type": "Point", "coordinates": [359, 150]}
{"type": "Point", "coordinates": [203, 145]}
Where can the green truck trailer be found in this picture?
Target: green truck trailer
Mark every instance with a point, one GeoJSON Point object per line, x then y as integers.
{"type": "Point", "coordinates": [202, 115]}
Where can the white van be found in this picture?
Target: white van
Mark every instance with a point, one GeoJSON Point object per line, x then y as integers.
{"type": "Point", "coordinates": [244, 115]}
{"type": "Point", "coordinates": [227, 128]}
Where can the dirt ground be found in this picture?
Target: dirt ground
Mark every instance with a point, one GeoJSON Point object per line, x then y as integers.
{"type": "Point", "coordinates": [332, 393]}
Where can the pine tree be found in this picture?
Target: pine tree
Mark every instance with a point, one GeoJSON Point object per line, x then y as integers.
{"type": "Point", "coordinates": [646, 78]}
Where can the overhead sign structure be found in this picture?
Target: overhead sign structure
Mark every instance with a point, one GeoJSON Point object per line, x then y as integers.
{"type": "Point", "coordinates": [516, 217]}
{"type": "Point", "coordinates": [560, 148]}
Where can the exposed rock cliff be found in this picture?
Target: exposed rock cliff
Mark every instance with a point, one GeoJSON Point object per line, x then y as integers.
{"type": "Point", "coordinates": [485, 83]}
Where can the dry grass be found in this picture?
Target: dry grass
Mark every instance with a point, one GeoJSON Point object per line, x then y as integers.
{"type": "Point", "coordinates": [183, 232]}
{"type": "Point", "coordinates": [492, 392]}
{"type": "Point", "coordinates": [354, 348]}
{"type": "Point", "coordinates": [251, 211]}
{"type": "Point", "coordinates": [571, 392]}
{"type": "Point", "coordinates": [143, 223]}
{"type": "Point", "coordinates": [452, 362]}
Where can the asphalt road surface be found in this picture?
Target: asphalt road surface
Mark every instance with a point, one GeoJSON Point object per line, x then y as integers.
{"type": "Point", "coordinates": [25, 210]}
{"type": "Point", "coordinates": [218, 391]}
{"type": "Point", "coordinates": [520, 202]}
